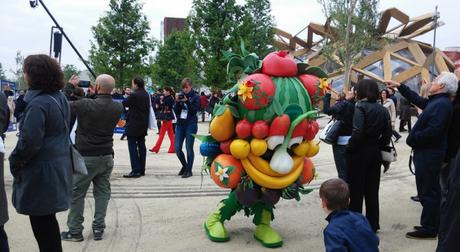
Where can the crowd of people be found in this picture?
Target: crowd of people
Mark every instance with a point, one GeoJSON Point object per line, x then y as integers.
{"type": "Point", "coordinates": [368, 117]}
{"type": "Point", "coordinates": [44, 182]}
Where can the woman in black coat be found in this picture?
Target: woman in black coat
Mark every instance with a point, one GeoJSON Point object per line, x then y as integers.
{"type": "Point", "coordinates": [371, 131]}
{"type": "Point", "coordinates": [40, 162]}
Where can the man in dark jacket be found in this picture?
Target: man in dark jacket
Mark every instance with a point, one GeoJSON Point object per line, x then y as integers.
{"type": "Point", "coordinates": [4, 120]}
{"type": "Point", "coordinates": [97, 119]}
{"type": "Point", "coordinates": [186, 108]}
{"type": "Point", "coordinates": [136, 127]}
{"type": "Point", "coordinates": [428, 139]}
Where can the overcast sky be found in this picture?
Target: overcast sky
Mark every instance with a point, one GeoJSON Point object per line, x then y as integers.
{"type": "Point", "coordinates": [28, 30]}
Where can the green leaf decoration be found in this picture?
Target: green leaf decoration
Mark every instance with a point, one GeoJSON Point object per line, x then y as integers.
{"type": "Point", "coordinates": [230, 207]}
{"type": "Point", "coordinates": [234, 111]}
{"type": "Point", "coordinates": [247, 63]}
{"type": "Point", "coordinates": [305, 191]}
{"type": "Point", "coordinates": [277, 107]}
{"type": "Point", "coordinates": [302, 68]}
{"type": "Point", "coordinates": [225, 181]}
{"type": "Point", "coordinates": [228, 55]}
{"type": "Point", "coordinates": [230, 168]}
{"type": "Point", "coordinates": [204, 138]}
{"type": "Point", "coordinates": [219, 109]}
{"type": "Point", "coordinates": [316, 71]}
{"type": "Point", "coordinates": [244, 52]}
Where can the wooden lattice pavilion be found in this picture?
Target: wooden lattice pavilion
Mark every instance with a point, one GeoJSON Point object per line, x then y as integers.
{"type": "Point", "coordinates": [400, 58]}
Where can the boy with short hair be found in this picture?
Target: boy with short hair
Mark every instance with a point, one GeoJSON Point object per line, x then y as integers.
{"type": "Point", "coordinates": [347, 230]}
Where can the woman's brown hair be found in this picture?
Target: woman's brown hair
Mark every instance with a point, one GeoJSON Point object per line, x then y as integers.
{"type": "Point", "coordinates": [43, 73]}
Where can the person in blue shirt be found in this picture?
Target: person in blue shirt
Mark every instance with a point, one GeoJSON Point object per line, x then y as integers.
{"type": "Point", "coordinates": [347, 230]}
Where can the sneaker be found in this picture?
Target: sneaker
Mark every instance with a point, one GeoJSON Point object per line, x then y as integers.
{"type": "Point", "coordinates": [67, 236]}
{"type": "Point", "coordinates": [421, 235]}
{"type": "Point", "coordinates": [97, 234]}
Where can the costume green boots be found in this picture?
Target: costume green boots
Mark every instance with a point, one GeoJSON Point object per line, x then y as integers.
{"type": "Point", "coordinates": [266, 234]}
{"type": "Point", "coordinates": [215, 227]}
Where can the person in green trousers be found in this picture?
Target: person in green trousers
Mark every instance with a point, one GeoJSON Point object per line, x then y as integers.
{"type": "Point", "coordinates": [96, 119]}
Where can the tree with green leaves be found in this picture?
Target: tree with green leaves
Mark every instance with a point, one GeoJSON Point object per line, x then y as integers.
{"type": "Point", "coordinates": [213, 24]}
{"type": "Point", "coordinates": [174, 61]}
{"type": "Point", "coordinates": [256, 27]}
{"type": "Point", "coordinates": [2, 73]}
{"type": "Point", "coordinates": [122, 45]}
{"type": "Point", "coordinates": [354, 27]}
{"type": "Point", "coordinates": [70, 70]}
{"type": "Point", "coordinates": [220, 25]}
{"type": "Point", "coordinates": [18, 74]}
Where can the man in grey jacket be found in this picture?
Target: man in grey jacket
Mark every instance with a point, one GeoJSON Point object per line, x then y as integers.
{"type": "Point", "coordinates": [4, 121]}
{"type": "Point", "coordinates": [94, 140]}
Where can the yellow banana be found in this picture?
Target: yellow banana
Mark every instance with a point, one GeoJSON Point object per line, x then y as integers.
{"type": "Point", "coordinates": [263, 166]}
{"type": "Point", "coordinates": [273, 182]}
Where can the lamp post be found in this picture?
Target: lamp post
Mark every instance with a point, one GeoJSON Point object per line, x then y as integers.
{"type": "Point", "coordinates": [33, 4]}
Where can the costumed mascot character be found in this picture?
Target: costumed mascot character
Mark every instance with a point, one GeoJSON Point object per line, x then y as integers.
{"type": "Point", "coordinates": [261, 139]}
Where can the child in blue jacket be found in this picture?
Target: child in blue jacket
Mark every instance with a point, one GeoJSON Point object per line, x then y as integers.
{"type": "Point", "coordinates": [347, 230]}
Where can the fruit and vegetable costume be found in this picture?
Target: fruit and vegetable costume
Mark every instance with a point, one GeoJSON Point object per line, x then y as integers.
{"type": "Point", "coordinates": [262, 138]}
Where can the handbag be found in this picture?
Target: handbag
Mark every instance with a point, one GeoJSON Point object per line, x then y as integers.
{"type": "Point", "coordinates": [330, 133]}
{"type": "Point", "coordinates": [389, 153]}
{"type": "Point", "coordinates": [77, 160]}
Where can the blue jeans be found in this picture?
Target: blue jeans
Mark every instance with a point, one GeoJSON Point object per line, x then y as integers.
{"type": "Point", "coordinates": [339, 152]}
{"type": "Point", "coordinates": [427, 168]}
{"type": "Point", "coordinates": [137, 154]}
{"type": "Point", "coordinates": [184, 132]}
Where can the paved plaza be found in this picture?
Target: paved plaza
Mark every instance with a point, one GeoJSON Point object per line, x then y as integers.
{"type": "Point", "coordinates": [164, 212]}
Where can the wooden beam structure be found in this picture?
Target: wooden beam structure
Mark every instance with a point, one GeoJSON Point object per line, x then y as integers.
{"type": "Point", "coordinates": [417, 57]}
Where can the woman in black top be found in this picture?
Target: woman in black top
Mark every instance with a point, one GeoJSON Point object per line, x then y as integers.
{"type": "Point", "coordinates": [371, 131]}
{"type": "Point", "coordinates": [166, 116]}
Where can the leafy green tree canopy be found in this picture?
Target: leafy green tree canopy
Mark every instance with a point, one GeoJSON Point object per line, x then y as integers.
{"type": "Point", "coordinates": [174, 61]}
{"type": "Point", "coordinates": [121, 43]}
{"type": "Point", "coordinates": [70, 70]}
{"type": "Point", "coordinates": [219, 25]}
{"type": "Point", "coordinates": [354, 28]}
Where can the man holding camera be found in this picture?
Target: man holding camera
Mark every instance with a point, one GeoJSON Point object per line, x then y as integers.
{"type": "Point", "coordinates": [97, 119]}
{"type": "Point", "coordinates": [186, 108]}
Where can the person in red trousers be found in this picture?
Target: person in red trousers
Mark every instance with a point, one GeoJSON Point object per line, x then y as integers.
{"type": "Point", "coordinates": [166, 116]}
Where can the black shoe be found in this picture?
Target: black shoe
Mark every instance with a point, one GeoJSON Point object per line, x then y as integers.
{"type": "Point", "coordinates": [402, 130]}
{"type": "Point", "coordinates": [415, 198]}
{"type": "Point", "coordinates": [181, 172]}
{"type": "Point", "coordinates": [397, 139]}
{"type": "Point", "coordinates": [67, 236]}
{"type": "Point", "coordinates": [187, 175]}
{"type": "Point", "coordinates": [97, 234]}
{"type": "Point", "coordinates": [142, 174]}
{"type": "Point", "coordinates": [420, 235]}
{"type": "Point", "coordinates": [132, 175]}
{"type": "Point", "coordinates": [386, 166]}
{"type": "Point", "coordinates": [417, 228]}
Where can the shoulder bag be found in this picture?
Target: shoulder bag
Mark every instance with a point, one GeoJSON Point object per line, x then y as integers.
{"type": "Point", "coordinates": [77, 160]}
{"type": "Point", "coordinates": [330, 133]}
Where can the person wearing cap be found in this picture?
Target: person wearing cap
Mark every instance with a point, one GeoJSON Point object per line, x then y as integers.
{"type": "Point", "coordinates": [428, 139]}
